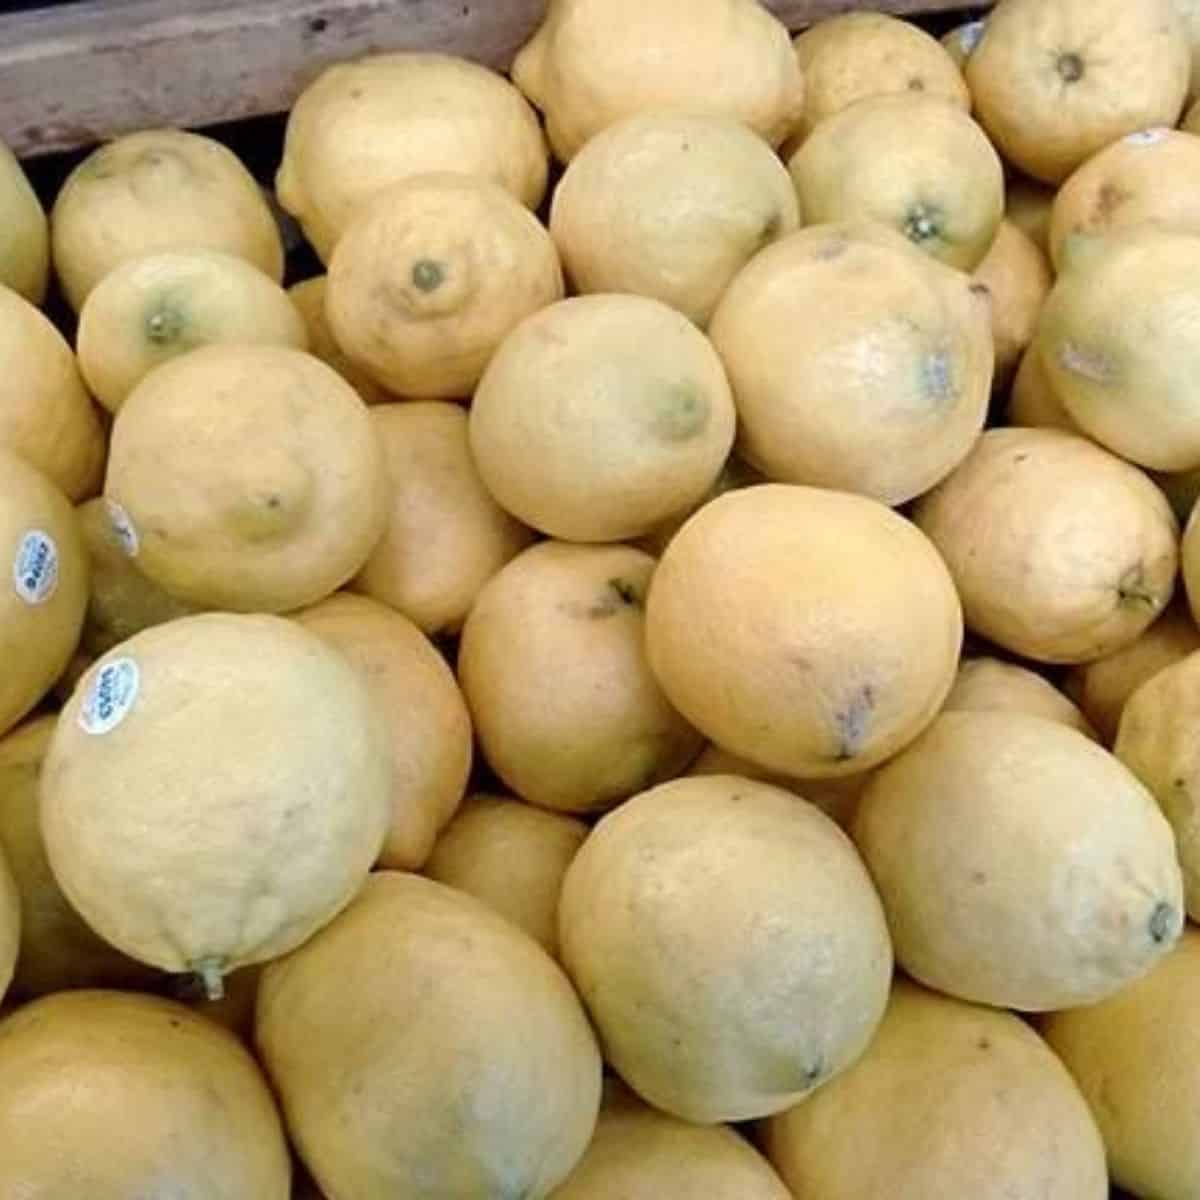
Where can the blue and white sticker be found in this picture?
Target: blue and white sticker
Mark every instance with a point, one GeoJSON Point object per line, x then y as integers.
{"type": "Point", "coordinates": [970, 35]}
{"type": "Point", "coordinates": [1147, 137]}
{"type": "Point", "coordinates": [123, 527]}
{"type": "Point", "coordinates": [111, 693]}
{"type": "Point", "coordinates": [35, 568]}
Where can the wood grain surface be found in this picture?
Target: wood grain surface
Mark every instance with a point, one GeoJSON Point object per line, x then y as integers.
{"type": "Point", "coordinates": [77, 73]}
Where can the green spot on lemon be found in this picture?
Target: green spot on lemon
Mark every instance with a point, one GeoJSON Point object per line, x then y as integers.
{"type": "Point", "coordinates": [164, 323]}
{"type": "Point", "coordinates": [681, 413]}
{"type": "Point", "coordinates": [427, 275]}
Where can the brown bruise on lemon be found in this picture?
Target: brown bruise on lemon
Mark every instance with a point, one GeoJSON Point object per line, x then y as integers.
{"type": "Point", "coordinates": [1152, 176]}
{"type": "Point", "coordinates": [1054, 83]}
{"type": "Point", "coordinates": [10, 925]}
{"type": "Point", "coordinates": [1118, 338]}
{"type": "Point", "coordinates": [1000, 520]}
{"type": "Point", "coordinates": [573, 614]}
{"type": "Point", "coordinates": [918, 165]}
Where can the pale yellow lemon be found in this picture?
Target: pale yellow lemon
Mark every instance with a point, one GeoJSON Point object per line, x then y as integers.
{"type": "Point", "coordinates": [914, 163]}
{"type": "Point", "coordinates": [601, 416]}
{"type": "Point", "coordinates": [453, 1034]}
{"type": "Point", "coordinates": [728, 944]}
{"type": "Point", "coordinates": [592, 62]}
{"type": "Point", "coordinates": [512, 857]}
{"type": "Point", "coordinates": [152, 309]}
{"type": "Point", "coordinates": [1136, 1059]}
{"type": "Point", "coordinates": [1054, 83]}
{"type": "Point", "coordinates": [58, 950]}
{"type": "Point", "coordinates": [43, 586]}
{"type": "Point", "coordinates": [836, 797]}
{"type": "Point", "coordinates": [1056, 878]}
{"type": "Point", "coordinates": [363, 125]}
{"type": "Point", "coordinates": [986, 684]}
{"type": "Point", "coordinates": [309, 299]}
{"type": "Point", "coordinates": [121, 600]}
{"type": "Point", "coordinates": [1060, 551]}
{"type": "Point", "coordinates": [1156, 741]}
{"type": "Point", "coordinates": [1102, 687]}
{"type": "Point", "coordinates": [1148, 177]}
{"type": "Point", "coordinates": [604, 730]}
{"type": "Point", "coordinates": [10, 925]}
{"type": "Point", "coordinates": [46, 414]}
{"type": "Point", "coordinates": [950, 1100]}
{"type": "Point", "coordinates": [249, 478]}
{"type": "Point", "coordinates": [1120, 338]}
{"type": "Point", "coordinates": [638, 1153]}
{"type": "Point", "coordinates": [670, 206]}
{"type": "Point", "coordinates": [429, 729]}
{"type": "Point", "coordinates": [1018, 279]}
{"type": "Point", "coordinates": [215, 791]}
{"type": "Point", "coordinates": [114, 1095]}
{"type": "Point", "coordinates": [430, 277]}
{"type": "Point", "coordinates": [856, 362]}
{"type": "Point", "coordinates": [24, 232]}
{"type": "Point", "coordinates": [445, 536]}
{"type": "Point", "coordinates": [159, 189]}
{"type": "Point", "coordinates": [1029, 205]}
{"type": "Point", "coordinates": [1033, 402]}
{"type": "Point", "coordinates": [814, 632]}
{"type": "Point", "coordinates": [856, 55]}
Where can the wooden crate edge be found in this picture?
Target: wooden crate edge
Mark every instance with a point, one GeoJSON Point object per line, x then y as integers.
{"type": "Point", "coordinates": [78, 74]}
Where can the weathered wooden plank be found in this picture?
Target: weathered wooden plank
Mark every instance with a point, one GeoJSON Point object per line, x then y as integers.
{"type": "Point", "coordinates": [73, 75]}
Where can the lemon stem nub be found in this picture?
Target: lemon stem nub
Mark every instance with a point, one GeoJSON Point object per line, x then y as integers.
{"type": "Point", "coordinates": [208, 971]}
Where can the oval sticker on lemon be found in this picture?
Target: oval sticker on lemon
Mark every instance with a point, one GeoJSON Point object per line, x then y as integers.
{"type": "Point", "coordinates": [110, 696]}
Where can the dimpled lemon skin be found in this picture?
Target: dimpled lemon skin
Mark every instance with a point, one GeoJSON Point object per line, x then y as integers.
{"type": "Point", "coordinates": [226, 802]}
{"type": "Point", "coordinates": [365, 125]}
{"type": "Point", "coordinates": [157, 190]}
{"type": "Point", "coordinates": [252, 476]}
